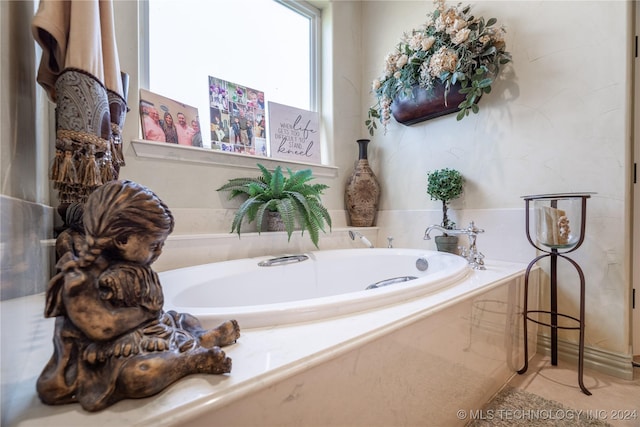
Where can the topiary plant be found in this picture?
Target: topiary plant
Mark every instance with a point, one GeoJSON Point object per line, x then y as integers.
{"type": "Point", "coordinates": [292, 196]}
{"type": "Point", "coordinates": [445, 185]}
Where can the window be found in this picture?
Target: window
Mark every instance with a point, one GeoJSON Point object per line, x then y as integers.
{"type": "Point", "coordinates": [269, 45]}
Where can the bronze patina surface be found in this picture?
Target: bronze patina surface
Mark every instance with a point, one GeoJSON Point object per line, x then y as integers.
{"type": "Point", "coordinates": [112, 338]}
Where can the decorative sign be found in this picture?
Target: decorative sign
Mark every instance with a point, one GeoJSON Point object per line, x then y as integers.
{"type": "Point", "coordinates": [294, 134]}
{"type": "Point", "coordinates": [237, 118]}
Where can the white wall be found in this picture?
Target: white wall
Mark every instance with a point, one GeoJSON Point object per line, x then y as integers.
{"type": "Point", "coordinates": [557, 121]}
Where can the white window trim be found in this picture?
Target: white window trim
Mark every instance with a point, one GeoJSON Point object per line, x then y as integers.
{"type": "Point", "coordinates": [182, 153]}
{"type": "Point", "coordinates": [315, 75]}
{"type": "Point", "coordinates": [304, 8]}
{"type": "Point", "coordinates": [149, 149]}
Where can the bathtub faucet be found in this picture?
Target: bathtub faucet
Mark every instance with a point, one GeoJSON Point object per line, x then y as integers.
{"type": "Point", "coordinates": [471, 254]}
{"type": "Point", "coordinates": [354, 234]}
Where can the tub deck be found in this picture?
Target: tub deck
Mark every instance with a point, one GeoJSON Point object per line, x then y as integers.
{"type": "Point", "coordinates": [262, 358]}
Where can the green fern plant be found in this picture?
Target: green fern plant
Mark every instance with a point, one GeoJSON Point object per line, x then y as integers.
{"type": "Point", "coordinates": [292, 196]}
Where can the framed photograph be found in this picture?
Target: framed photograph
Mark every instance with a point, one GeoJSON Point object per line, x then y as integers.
{"type": "Point", "coordinates": [237, 116]}
{"type": "Point", "coordinates": [294, 134]}
{"type": "Point", "coordinates": [166, 120]}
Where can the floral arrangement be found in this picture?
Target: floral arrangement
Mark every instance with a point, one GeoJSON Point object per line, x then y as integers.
{"type": "Point", "coordinates": [452, 46]}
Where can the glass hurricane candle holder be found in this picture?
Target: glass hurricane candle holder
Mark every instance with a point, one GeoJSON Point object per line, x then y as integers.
{"type": "Point", "coordinates": [558, 221]}
{"type": "Point", "coordinates": [558, 224]}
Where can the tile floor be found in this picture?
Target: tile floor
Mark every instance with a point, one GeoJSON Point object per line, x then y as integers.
{"type": "Point", "coordinates": [612, 398]}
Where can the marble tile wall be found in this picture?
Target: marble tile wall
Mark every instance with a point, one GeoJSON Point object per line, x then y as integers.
{"type": "Point", "coordinates": [26, 252]}
{"type": "Point", "coordinates": [430, 372]}
{"type": "Point", "coordinates": [202, 236]}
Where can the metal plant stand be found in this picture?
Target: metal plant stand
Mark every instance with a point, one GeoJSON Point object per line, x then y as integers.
{"type": "Point", "coordinates": [553, 216]}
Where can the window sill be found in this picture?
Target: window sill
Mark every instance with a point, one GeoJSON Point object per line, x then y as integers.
{"type": "Point", "coordinates": [164, 151]}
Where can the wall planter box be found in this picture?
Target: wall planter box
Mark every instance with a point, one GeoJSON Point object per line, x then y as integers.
{"type": "Point", "coordinates": [426, 104]}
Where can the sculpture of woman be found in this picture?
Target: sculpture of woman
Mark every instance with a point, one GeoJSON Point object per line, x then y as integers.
{"type": "Point", "coordinates": [112, 339]}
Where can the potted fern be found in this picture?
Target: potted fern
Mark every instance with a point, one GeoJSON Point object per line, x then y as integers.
{"type": "Point", "coordinates": [445, 185]}
{"type": "Point", "coordinates": [290, 196]}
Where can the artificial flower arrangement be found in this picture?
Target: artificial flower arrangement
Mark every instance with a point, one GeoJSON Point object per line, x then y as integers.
{"type": "Point", "coordinates": [452, 46]}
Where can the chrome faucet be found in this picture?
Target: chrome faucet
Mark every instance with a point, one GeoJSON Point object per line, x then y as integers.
{"type": "Point", "coordinates": [471, 254]}
{"type": "Point", "coordinates": [443, 230]}
{"type": "Point", "coordinates": [354, 234]}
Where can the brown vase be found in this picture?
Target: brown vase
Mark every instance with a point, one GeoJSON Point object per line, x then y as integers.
{"type": "Point", "coordinates": [362, 192]}
{"type": "Point", "coordinates": [426, 104]}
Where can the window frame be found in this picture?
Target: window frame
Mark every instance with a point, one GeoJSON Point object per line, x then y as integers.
{"type": "Point", "coordinates": [315, 49]}
{"type": "Point", "coordinates": [153, 150]}
{"type": "Point", "coordinates": [300, 6]}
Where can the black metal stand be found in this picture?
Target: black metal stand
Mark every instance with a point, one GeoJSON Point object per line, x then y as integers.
{"type": "Point", "coordinates": [553, 255]}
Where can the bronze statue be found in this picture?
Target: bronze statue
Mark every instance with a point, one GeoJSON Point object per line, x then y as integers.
{"type": "Point", "coordinates": [112, 338]}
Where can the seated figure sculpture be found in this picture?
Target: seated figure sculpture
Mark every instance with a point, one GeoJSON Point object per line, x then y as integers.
{"type": "Point", "coordinates": [112, 338]}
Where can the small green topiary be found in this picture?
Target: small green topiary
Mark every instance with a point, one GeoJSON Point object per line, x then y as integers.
{"type": "Point", "coordinates": [445, 185]}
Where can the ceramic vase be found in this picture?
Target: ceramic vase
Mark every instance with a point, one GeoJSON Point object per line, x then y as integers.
{"type": "Point", "coordinates": [362, 192]}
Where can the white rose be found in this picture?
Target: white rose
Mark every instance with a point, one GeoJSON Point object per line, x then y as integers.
{"type": "Point", "coordinates": [375, 85]}
{"type": "Point", "coordinates": [459, 24]}
{"type": "Point", "coordinates": [428, 42]}
{"type": "Point", "coordinates": [402, 61]}
{"type": "Point", "coordinates": [461, 36]}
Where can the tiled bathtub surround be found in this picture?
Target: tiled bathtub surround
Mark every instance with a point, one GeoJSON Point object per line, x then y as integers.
{"type": "Point", "coordinates": [25, 249]}
{"type": "Point", "coordinates": [202, 235]}
{"type": "Point", "coordinates": [504, 239]}
{"type": "Point", "coordinates": [416, 362]}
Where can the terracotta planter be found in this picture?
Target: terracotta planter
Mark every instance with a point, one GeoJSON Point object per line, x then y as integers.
{"type": "Point", "coordinates": [425, 105]}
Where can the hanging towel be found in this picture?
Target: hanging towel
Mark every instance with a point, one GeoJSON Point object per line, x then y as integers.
{"type": "Point", "coordinates": [80, 72]}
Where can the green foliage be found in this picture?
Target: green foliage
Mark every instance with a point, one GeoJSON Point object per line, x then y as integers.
{"type": "Point", "coordinates": [445, 185]}
{"type": "Point", "coordinates": [292, 196]}
{"type": "Point", "coordinates": [453, 46]}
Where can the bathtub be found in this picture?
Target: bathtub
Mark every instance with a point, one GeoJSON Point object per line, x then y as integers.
{"type": "Point", "coordinates": [284, 289]}
{"type": "Point", "coordinates": [424, 351]}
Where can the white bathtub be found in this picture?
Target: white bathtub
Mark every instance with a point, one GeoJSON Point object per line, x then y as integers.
{"type": "Point", "coordinates": [416, 356]}
{"type": "Point", "coordinates": [310, 286]}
